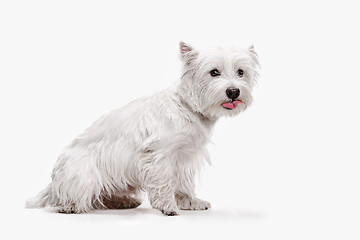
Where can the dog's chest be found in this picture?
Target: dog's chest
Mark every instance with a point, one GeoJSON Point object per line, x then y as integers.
{"type": "Point", "coordinates": [193, 136]}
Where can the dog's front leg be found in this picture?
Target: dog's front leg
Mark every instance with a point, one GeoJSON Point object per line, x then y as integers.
{"type": "Point", "coordinates": [158, 182]}
{"type": "Point", "coordinates": [185, 193]}
{"type": "Point", "coordinates": [163, 199]}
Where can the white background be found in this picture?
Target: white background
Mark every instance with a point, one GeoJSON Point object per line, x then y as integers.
{"type": "Point", "coordinates": [288, 168]}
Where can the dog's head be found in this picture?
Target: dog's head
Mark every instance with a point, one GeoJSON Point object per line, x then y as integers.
{"type": "Point", "coordinates": [218, 82]}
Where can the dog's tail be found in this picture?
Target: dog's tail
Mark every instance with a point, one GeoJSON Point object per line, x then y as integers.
{"type": "Point", "coordinates": [41, 200]}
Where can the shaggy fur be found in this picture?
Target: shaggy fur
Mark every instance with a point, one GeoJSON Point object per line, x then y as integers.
{"type": "Point", "coordinates": [155, 144]}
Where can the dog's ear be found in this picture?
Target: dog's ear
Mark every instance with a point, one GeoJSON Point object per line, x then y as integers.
{"type": "Point", "coordinates": [188, 54]}
{"type": "Point", "coordinates": [253, 54]}
{"type": "Point", "coordinates": [185, 48]}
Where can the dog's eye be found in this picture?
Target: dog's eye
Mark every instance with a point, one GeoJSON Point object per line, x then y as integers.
{"type": "Point", "coordinates": [214, 73]}
{"type": "Point", "coordinates": [240, 73]}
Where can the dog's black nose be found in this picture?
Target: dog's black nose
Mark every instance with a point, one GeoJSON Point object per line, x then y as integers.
{"type": "Point", "coordinates": [233, 93]}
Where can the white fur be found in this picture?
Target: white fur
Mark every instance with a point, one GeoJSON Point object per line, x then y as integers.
{"type": "Point", "coordinates": [155, 144]}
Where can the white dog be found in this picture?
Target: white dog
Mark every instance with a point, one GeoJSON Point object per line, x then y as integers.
{"type": "Point", "coordinates": [155, 144]}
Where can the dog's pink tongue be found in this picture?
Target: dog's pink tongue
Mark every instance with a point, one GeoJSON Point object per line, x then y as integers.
{"type": "Point", "coordinates": [231, 105]}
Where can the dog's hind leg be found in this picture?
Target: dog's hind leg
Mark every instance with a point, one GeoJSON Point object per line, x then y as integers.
{"type": "Point", "coordinates": [116, 202]}
{"type": "Point", "coordinates": [121, 200]}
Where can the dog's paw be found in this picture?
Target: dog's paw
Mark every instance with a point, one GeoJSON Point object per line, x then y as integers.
{"type": "Point", "coordinates": [195, 204]}
{"type": "Point", "coordinates": [169, 209]}
{"type": "Point", "coordinates": [67, 209]}
{"type": "Point", "coordinates": [169, 212]}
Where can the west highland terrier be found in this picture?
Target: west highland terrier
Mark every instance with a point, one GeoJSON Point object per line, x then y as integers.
{"type": "Point", "coordinates": [155, 144]}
